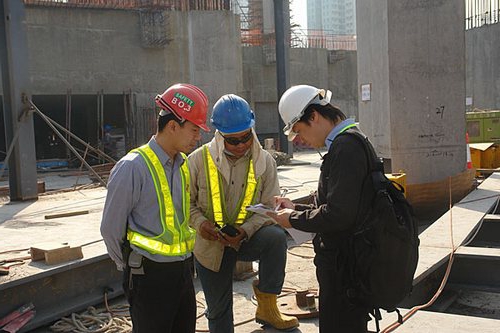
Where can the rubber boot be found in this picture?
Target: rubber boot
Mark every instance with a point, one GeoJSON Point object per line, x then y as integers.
{"type": "Point", "coordinates": [268, 314]}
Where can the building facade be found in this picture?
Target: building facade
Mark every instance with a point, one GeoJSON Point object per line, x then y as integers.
{"type": "Point", "coordinates": [335, 16]}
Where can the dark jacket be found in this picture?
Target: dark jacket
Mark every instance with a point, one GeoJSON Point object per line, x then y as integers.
{"type": "Point", "coordinates": [341, 199]}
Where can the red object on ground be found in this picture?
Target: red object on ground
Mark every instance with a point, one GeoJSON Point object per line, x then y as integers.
{"type": "Point", "coordinates": [16, 324]}
{"type": "Point", "coordinates": [16, 314]}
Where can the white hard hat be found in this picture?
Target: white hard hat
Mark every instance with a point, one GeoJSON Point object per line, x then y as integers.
{"type": "Point", "coordinates": [295, 101]}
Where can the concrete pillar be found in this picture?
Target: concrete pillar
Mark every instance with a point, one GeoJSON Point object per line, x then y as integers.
{"type": "Point", "coordinates": [19, 133]}
{"type": "Point", "coordinates": [411, 74]}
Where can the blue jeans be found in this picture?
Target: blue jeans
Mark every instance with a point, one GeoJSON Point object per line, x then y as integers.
{"type": "Point", "coordinates": [268, 245]}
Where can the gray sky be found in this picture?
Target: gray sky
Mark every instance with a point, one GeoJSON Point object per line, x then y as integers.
{"type": "Point", "coordinates": [299, 12]}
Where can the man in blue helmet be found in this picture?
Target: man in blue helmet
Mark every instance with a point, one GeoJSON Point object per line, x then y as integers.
{"type": "Point", "coordinates": [229, 173]}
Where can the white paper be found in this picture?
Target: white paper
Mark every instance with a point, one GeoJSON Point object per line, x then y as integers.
{"type": "Point", "coordinates": [300, 236]}
{"type": "Point", "coordinates": [260, 209]}
{"type": "Point", "coordinates": [366, 92]}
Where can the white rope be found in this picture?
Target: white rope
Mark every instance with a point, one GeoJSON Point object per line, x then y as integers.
{"type": "Point", "coordinates": [96, 321]}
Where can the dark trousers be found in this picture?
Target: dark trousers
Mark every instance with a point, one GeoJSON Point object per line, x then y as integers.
{"type": "Point", "coordinates": [337, 314]}
{"type": "Point", "coordinates": [268, 245]}
{"type": "Point", "coordinates": [162, 300]}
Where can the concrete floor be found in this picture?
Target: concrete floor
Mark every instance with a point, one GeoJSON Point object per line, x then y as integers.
{"type": "Point", "coordinates": [23, 223]}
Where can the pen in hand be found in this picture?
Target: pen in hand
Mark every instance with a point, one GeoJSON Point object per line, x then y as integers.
{"type": "Point", "coordinates": [282, 195]}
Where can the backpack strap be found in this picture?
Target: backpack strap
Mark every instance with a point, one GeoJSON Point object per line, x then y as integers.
{"type": "Point", "coordinates": [377, 316]}
{"type": "Point", "coordinates": [375, 164]}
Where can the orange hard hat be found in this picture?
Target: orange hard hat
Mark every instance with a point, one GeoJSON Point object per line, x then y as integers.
{"type": "Point", "coordinates": [187, 102]}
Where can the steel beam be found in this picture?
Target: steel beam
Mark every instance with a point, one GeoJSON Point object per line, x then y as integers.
{"type": "Point", "coordinates": [477, 267]}
{"type": "Point", "coordinates": [59, 292]}
{"type": "Point", "coordinates": [489, 233]}
{"type": "Point", "coordinates": [282, 31]}
{"type": "Point", "coordinates": [19, 130]}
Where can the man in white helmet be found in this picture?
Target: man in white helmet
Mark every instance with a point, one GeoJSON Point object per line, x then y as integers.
{"type": "Point", "coordinates": [307, 113]}
{"type": "Point", "coordinates": [229, 173]}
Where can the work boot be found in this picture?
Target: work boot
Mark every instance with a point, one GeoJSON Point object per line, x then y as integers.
{"type": "Point", "coordinates": [268, 313]}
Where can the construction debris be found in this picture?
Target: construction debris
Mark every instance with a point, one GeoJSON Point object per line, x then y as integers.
{"type": "Point", "coordinates": [5, 190]}
{"type": "Point", "coordinates": [55, 216]}
{"type": "Point", "coordinates": [6, 264]}
{"type": "Point", "coordinates": [55, 253]}
{"type": "Point", "coordinates": [103, 170]}
{"type": "Point", "coordinates": [15, 320]}
{"type": "Point", "coordinates": [280, 157]}
{"type": "Point", "coordinates": [96, 320]}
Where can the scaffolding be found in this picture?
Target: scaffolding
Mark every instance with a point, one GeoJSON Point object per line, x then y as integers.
{"type": "Point", "coordinates": [179, 5]}
{"type": "Point", "coordinates": [481, 12]}
{"type": "Point", "coordinates": [252, 32]}
{"type": "Point", "coordinates": [251, 21]}
{"type": "Point", "coordinates": [154, 22]}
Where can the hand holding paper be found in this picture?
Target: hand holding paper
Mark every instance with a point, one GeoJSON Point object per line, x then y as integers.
{"type": "Point", "coordinates": [260, 209]}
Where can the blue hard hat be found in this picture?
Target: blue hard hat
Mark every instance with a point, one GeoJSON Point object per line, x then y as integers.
{"type": "Point", "coordinates": [232, 114]}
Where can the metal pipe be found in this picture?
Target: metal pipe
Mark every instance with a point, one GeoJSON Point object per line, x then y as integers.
{"type": "Point", "coordinates": [101, 120]}
{"type": "Point", "coordinates": [73, 150]}
{"type": "Point", "coordinates": [99, 152]}
{"type": "Point", "coordinates": [282, 32]}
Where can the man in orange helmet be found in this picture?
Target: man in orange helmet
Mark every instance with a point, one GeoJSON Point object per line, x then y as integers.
{"type": "Point", "coordinates": [146, 214]}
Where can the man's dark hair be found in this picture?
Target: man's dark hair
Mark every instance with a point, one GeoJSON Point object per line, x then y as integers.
{"type": "Point", "coordinates": [163, 121]}
{"type": "Point", "coordinates": [328, 111]}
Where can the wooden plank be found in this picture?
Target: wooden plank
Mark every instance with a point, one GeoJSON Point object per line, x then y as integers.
{"type": "Point", "coordinates": [435, 241]}
{"type": "Point", "coordinates": [431, 322]}
{"type": "Point", "coordinates": [58, 256]}
{"type": "Point", "coordinates": [40, 185]}
{"type": "Point", "coordinates": [67, 214]}
{"type": "Point", "coordinates": [37, 251]}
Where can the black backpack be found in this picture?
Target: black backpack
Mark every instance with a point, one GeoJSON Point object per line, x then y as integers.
{"type": "Point", "coordinates": [383, 250]}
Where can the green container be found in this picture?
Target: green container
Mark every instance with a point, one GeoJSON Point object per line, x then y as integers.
{"type": "Point", "coordinates": [483, 126]}
{"type": "Point", "coordinates": [491, 129]}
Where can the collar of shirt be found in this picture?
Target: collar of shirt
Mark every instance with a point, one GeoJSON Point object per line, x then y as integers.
{"type": "Point", "coordinates": [162, 156]}
{"type": "Point", "coordinates": [228, 153]}
{"type": "Point", "coordinates": [341, 127]}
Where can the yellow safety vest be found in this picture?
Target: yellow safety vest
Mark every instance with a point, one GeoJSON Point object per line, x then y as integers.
{"type": "Point", "coordinates": [217, 204]}
{"type": "Point", "coordinates": [176, 238]}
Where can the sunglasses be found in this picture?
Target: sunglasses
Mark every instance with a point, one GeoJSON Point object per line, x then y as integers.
{"type": "Point", "coordinates": [236, 141]}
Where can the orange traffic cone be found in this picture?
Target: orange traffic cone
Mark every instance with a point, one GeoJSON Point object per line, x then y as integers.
{"type": "Point", "coordinates": [469, 160]}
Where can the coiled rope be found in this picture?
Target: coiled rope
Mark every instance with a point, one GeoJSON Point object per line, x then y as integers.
{"type": "Point", "coordinates": [96, 321]}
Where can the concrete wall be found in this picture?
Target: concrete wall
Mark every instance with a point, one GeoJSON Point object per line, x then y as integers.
{"type": "Point", "coordinates": [373, 68]}
{"type": "Point", "coordinates": [412, 52]}
{"type": "Point", "coordinates": [307, 66]}
{"type": "Point", "coordinates": [90, 50]}
{"type": "Point", "coordinates": [343, 81]}
{"type": "Point", "coordinates": [483, 66]}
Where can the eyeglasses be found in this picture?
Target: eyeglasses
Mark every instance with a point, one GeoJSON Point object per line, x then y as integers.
{"type": "Point", "coordinates": [236, 141]}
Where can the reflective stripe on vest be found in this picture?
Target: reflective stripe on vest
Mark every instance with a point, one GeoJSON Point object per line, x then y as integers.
{"type": "Point", "coordinates": [216, 201]}
{"type": "Point", "coordinates": [176, 238]}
